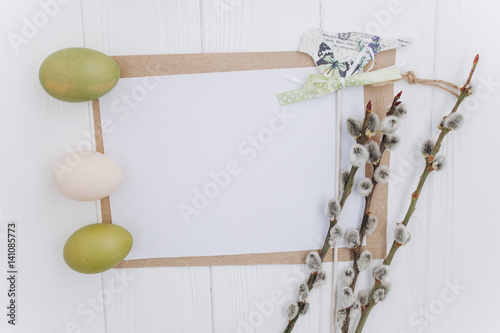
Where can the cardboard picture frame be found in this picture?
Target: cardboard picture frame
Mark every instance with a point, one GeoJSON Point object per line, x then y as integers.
{"type": "Point", "coordinates": [159, 65]}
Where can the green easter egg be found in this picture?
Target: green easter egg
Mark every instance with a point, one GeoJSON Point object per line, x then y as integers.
{"type": "Point", "coordinates": [97, 247]}
{"type": "Point", "coordinates": [78, 74]}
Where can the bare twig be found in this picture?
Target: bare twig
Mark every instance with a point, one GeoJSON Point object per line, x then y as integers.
{"type": "Point", "coordinates": [464, 92]}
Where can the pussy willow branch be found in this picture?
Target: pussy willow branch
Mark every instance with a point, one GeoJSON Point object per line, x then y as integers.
{"type": "Point", "coordinates": [368, 200]}
{"type": "Point", "coordinates": [326, 244]}
{"type": "Point", "coordinates": [366, 215]}
{"type": "Point", "coordinates": [325, 248]}
{"type": "Point", "coordinates": [464, 92]}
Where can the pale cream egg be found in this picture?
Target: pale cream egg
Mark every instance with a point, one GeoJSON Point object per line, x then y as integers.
{"type": "Point", "coordinates": [86, 175]}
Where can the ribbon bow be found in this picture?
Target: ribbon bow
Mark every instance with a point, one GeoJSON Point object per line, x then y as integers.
{"type": "Point", "coordinates": [318, 85]}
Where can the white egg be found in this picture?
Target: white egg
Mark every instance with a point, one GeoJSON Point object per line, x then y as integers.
{"type": "Point", "coordinates": [86, 175]}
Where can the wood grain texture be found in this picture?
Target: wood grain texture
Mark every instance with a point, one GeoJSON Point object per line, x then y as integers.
{"type": "Point", "coordinates": [259, 26]}
{"type": "Point", "coordinates": [166, 299]}
{"type": "Point", "coordinates": [35, 131]}
{"type": "Point", "coordinates": [463, 233]}
{"type": "Point", "coordinates": [171, 300]}
{"type": "Point", "coordinates": [176, 64]}
{"type": "Point", "coordinates": [406, 164]}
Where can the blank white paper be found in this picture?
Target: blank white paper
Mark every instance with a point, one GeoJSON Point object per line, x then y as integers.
{"type": "Point", "coordinates": [213, 165]}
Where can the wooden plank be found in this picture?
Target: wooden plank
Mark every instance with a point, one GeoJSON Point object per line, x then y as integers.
{"type": "Point", "coordinates": [167, 299]}
{"type": "Point", "coordinates": [462, 233]}
{"type": "Point", "coordinates": [37, 130]}
{"type": "Point", "coordinates": [238, 291]}
{"type": "Point", "coordinates": [418, 22]}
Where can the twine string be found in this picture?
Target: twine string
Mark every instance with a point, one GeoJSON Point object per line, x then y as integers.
{"type": "Point", "coordinates": [413, 79]}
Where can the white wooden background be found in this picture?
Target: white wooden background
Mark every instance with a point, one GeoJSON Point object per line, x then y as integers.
{"type": "Point", "coordinates": [454, 229]}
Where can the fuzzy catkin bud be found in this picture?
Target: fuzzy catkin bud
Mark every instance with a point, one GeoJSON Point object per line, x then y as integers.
{"type": "Point", "coordinates": [438, 163]}
{"type": "Point", "coordinates": [320, 279]}
{"type": "Point", "coordinates": [303, 292]}
{"type": "Point", "coordinates": [364, 260]}
{"type": "Point", "coordinates": [371, 224]}
{"type": "Point", "coordinates": [427, 148]}
{"type": "Point", "coordinates": [373, 152]}
{"type": "Point", "coordinates": [380, 273]}
{"type": "Point", "coordinates": [441, 124]}
{"type": "Point", "coordinates": [347, 297]}
{"type": "Point", "coordinates": [382, 174]}
{"type": "Point", "coordinates": [292, 311]}
{"type": "Point", "coordinates": [335, 235]}
{"type": "Point", "coordinates": [304, 309]}
{"type": "Point", "coordinates": [359, 155]}
{"type": "Point", "coordinates": [333, 209]}
{"type": "Point", "coordinates": [355, 310]}
{"type": "Point", "coordinates": [343, 179]}
{"type": "Point", "coordinates": [364, 296]}
{"type": "Point", "coordinates": [347, 276]}
{"type": "Point", "coordinates": [352, 238]}
{"type": "Point", "coordinates": [453, 121]}
{"type": "Point", "coordinates": [400, 111]}
{"type": "Point", "coordinates": [389, 124]}
{"type": "Point", "coordinates": [313, 261]}
{"type": "Point", "coordinates": [401, 234]}
{"type": "Point", "coordinates": [380, 294]}
{"type": "Point", "coordinates": [341, 317]}
{"type": "Point", "coordinates": [391, 141]}
{"type": "Point", "coordinates": [365, 186]}
{"type": "Point", "coordinates": [372, 124]}
{"type": "Point", "coordinates": [354, 127]}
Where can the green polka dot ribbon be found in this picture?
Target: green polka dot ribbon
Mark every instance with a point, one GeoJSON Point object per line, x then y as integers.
{"type": "Point", "coordinates": [318, 85]}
